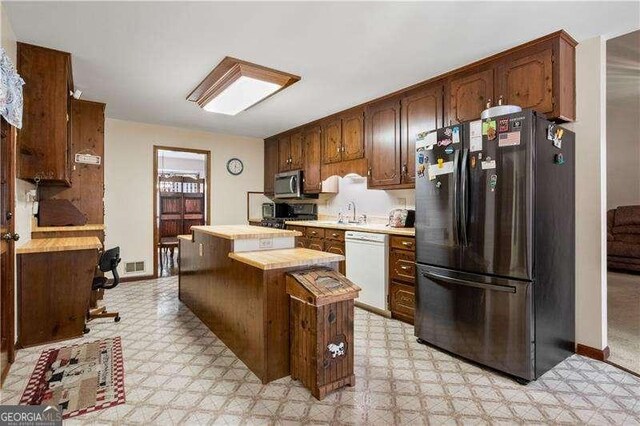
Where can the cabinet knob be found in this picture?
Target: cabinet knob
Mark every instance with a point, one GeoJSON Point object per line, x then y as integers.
{"type": "Point", "coordinates": [405, 268]}
{"type": "Point", "coordinates": [407, 243]}
{"type": "Point", "coordinates": [369, 172]}
{"type": "Point", "coordinates": [10, 237]}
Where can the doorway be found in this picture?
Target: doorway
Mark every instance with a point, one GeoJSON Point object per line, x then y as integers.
{"type": "Point", "coordinates": [623, 201]}
{"type": "Point", "coordinates": [181, 199]}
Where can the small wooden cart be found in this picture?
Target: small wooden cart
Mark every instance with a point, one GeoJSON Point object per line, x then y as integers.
{"type": "Point", "coordinates": [321, 329]}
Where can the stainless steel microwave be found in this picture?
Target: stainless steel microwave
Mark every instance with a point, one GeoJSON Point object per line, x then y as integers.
{"type": "Point", "coordinates": [288, 185]}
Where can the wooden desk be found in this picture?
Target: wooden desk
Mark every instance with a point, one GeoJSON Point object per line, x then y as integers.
{"type": "Point", "coordinates": [54, 287]}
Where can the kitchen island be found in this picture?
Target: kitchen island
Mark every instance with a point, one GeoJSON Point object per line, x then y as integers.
{"type": "Point", "coordinates": [233, 278]}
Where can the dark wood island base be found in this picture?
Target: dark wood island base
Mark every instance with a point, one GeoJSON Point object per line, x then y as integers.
{"type": "Point", "coordinates": [245, 305]}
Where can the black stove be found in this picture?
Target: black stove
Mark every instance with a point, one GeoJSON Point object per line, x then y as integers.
{"type": "Point", "coordinates": [303, 211]}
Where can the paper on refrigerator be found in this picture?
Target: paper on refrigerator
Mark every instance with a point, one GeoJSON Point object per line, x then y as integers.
{"type": "Point", "coordinates": [475, 136]}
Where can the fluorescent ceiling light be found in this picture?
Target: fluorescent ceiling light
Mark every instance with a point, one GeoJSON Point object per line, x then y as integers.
{"type": "Point", "coordinates": [234, 86]}
{"type": "Point", "coordinates": [240, 95]}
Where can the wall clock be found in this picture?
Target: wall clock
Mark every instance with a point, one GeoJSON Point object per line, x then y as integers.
{"type": "Point", "coordinates": [235, 166]}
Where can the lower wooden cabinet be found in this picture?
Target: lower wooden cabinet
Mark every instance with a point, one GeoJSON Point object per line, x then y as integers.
{"type": "Point", "coordinates": [316, 244]}
{"type": "Point", "coordinates": [336, 247]}
{"type": "Point", "coordinates": [402, 300]}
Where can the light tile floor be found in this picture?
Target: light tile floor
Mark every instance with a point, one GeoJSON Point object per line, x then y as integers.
{"type": "Point", "coordinates": [177, 371]}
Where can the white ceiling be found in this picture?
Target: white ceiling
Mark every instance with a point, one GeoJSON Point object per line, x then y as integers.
{"type": "Point", "coordinates": [144, 58]}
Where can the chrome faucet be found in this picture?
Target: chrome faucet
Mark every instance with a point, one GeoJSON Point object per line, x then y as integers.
{"type": "Point", "coordinates": [352, 203]}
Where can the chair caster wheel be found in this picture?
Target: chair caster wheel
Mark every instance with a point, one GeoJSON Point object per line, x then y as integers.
{"type": "Point", "coordinates": [86, 330]}
{"type": "Point", "coordinates": [116, 319]}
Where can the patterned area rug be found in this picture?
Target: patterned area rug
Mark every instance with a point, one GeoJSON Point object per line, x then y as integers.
{"type": "Point", "coordinates": [79, 378]}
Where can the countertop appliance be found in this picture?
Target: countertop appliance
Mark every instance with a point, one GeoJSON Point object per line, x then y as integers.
{"type": "Point", "coordinates": [301, 211]}
{"type": "Point", "coordinates": [402, 218]}
{"type": "Point", "coordinates": [367, 266]}
{"type": "Point", "coordinates": [495, 239]}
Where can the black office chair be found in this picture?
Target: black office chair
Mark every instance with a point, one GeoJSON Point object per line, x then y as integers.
{"type": "Point", "coordinates": [108, 263]}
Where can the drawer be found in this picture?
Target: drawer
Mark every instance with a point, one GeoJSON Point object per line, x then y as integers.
{"type": "Point", "coordinates": [302, 242]}
{"type": "Point", "coordinates": [315, 244]}
{"type": "Point", "coordinates": [300, 229]}
{"type": "Point", "coordinates": [334, 235]}
{"type": "Point", "coordinates": [403, 243]}
{"type": "Point", "coordinates": [315, 232]}
{"type": "Point", "coordinates": [402, 266]}
{"type": "Point", "coordinates": [402, 301]}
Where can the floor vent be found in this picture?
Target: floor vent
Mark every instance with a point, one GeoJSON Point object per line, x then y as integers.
{"type": "Point", "coordinates": [134, 266]}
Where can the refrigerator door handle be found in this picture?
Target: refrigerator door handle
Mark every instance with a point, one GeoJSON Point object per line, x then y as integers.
{"type": "Point", "coordinates": [464, 198]}
{"type": "Point", "coordinates": [456, 198]}
{"type": "Point", "coordinates": [493, 287]}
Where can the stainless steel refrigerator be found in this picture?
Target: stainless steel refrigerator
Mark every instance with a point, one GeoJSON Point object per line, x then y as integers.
{"type": "Point", "coordinates": [495, 242]}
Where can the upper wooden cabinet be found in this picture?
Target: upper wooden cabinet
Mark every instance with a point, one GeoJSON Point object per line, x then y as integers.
{"type": "Point", "coordinates": [311, 154]}
{"type": "Point", "coordinates": [382, 121]}
{"type": "Point", "coordinates": [270, 164]}
{"type": "Point", "coordinates": [421, 111]}
{"type": "Point", "coordinates": [290, 152]}
{"type": "Point", "coordinates": [343, 137]}
{"type": "Point", "coordinates": [527, 81]}
{"type": "Point", "coordinates": [538, 75]}
{"type": "Point", "coordinates": [469, 95]}
{"type": "Point", "coordinates": [43, 143]}
{"type": "Point", "coordinates": [353, 135]}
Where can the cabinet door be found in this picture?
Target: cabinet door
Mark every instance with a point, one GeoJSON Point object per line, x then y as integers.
{"type": "Point", "coordinates": [527, 81]}
{"type": "Point", "coordinates": [295, 150]}
{"type": "Point", "coordinates": [402, 301]}
{"type": "Point", "coordinates": [383, 143]}
{"type": "Point", "coordinates": [421, 112]}
{"type": "Point", "coordinates": [402, 266]}
{"type": "Point", "coordinates": [43, 141]}
{"type": "Point", "coordinates": [284, 153]}
{"type": "Point", "coordinates": [336, 248]}
{"type": "Point", "coordinates": [270, 164]}
{"type": "Point", "coordinates": [312, 181]}
{"type": "Point", "coordinates": [353, 136]}
{"type": "Point", "coordinates": [469, 95]}
{"type": "Point", "coordinates": [332, 141]}
{"type": "Point", "coordinates": [315, 244]}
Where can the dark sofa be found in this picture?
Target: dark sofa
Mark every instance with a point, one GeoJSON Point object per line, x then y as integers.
{"type": "Point", "coordinates": [623, 238]}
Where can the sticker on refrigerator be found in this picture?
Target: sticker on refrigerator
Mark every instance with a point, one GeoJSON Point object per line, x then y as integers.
{"type": "Point", "coordinates": [473, 161]}
{"type": "Point", "coordinates": [493, 182]}
{"type": "Point", "coordinates": [420, 169]}
{"type": "Point", "coordinates": [488, 164]}
{"type": "Point", "coordinates": [449, 150]}
{"type": "Point", "coordinates": [503, 125]}
{"type": "Point", "coordinates": [442, 168]}
{"type": "Point", "coordinates": [554, 133]}
{"type": "Point", "coordinates": [489, 129]}
{"type": "Point", "coordinates": [475, 136]}
{"type": "Point", "coordinates": [509, 139]}
{"type": "Point", "coordinates": [455, 134]}
{"type": "Point", "coordinates": [426, 140]}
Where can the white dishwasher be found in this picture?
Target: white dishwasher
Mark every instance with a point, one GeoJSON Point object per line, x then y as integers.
{"type": "Point", "coordinates": [367, 266]}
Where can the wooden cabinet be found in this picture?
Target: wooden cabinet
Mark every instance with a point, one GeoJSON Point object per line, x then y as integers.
{"type": "Point", "coordinates": [315, 244]}
{"type": "Point", "coordinates": [469, 94]}
{"type": "Point", "coordinates": [290, 152]}
{"type": "Point", "coordinates": [270, 164]}
{"type": "Point", "coordinates": [421, 111]}
{"type": "Point", "coordinates": [43, 143]}
{"type": "Point", "coordinates": [402, 277]}
{"type": "Point", "coordinates": [311, 163]}
{"type": "Point", "coordinates": [527, 81]}
{"type": "Point", "coordinates": [321, 239]}
{"type": "Point", "coordinates": [382, 121]}
{"type": "Point", "coordinates": [353, 135]}
{"type": "Point", "coordinates": [343, 137]}
{"type": "Point", "coordinates": [336, 247]}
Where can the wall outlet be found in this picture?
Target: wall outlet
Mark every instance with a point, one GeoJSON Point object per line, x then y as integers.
{"type": "Point", "coordinates": [265, 243]}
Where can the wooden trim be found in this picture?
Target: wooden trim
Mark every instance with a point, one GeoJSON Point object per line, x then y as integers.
{"type": "Point", "coordinates": [589, 352]}
{"type": "Point", "coordinates": [138, 278]}
{"type": "Point", "coordinates": [229, 70]}
{"type": "Point", "coordinates": [466, 68]}
{"type": "Point", "coordinates": [154, 189]}
{"type": "Point", "coordinates": [8, 273]}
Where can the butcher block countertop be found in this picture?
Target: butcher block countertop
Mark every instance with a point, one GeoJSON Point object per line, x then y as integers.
{"type": "Point", "coordinates": [45, 245]}
{"type": "Point", "coordinates": [374, 228]}
{"type": "Point", "coordinates": [89, 227]}
{"type": "Point", "coordinates": [244, 232]}
{"type": "Point", "coordinates": [285, 258]}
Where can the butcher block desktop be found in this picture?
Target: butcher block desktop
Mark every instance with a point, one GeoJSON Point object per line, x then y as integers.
{"type": "Point", "coordinates": [233, 278]}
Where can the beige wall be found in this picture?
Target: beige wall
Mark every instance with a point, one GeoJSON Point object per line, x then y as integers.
{"type": "Point", "coordinates": [129, 183]}
{"type": "Point", "coordinates": [590, 129]}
